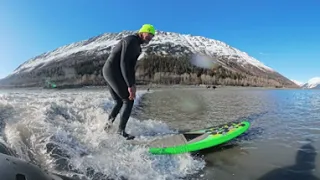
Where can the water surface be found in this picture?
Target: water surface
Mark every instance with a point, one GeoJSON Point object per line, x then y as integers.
{"type": "Point", "coordinates": [283, 123]}
{"type": "Point", "coordinates": [62, 130]}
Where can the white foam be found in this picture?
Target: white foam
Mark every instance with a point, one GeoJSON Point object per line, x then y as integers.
{"type": "Point", "coordinates": [74, 121]}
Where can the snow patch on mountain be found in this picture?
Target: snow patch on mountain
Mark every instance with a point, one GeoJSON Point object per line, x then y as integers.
{"type": "Point", "coordinates": [313, 83]}
{"type": "Point", "coordinates": [197, 44]}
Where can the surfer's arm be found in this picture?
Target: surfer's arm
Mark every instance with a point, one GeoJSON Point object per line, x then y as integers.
{"type": "Point", "coordinates": [127, 55]}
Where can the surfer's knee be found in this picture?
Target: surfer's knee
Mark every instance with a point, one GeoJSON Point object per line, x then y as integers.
{"type": "Point", "coordinates": [128, 102]}
{"type": "Point", "coordinates": [118, 102]}
{"type": "Point", "coordinates": [128, 105]}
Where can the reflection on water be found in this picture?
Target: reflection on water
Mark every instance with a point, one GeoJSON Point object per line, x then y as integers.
{"type": "Point", "coordinates": [281, 120]}
{"type": "Point", "coordinates": [301, 170]}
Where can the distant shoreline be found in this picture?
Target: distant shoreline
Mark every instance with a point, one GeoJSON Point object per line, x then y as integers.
{"type": "Point", "coordinates": [154, 86]}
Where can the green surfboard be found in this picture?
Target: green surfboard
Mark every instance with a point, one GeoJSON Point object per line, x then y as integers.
{"type": "Point", "coordinates": [195, 140]}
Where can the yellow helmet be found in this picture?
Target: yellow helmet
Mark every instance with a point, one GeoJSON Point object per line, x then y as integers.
{"type": "Point", "coordinates": [148, 28]}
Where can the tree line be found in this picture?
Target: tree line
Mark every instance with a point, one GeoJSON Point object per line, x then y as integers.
{"type": "Point", "coordinates": [179, 70]}
{"type": "Point", "coordinates": [85, 71]}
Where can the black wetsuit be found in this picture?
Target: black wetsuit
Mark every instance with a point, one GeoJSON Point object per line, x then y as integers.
{"type": "Point", "coordinates": [119, 72]}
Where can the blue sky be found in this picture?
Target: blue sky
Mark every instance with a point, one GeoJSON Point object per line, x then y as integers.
{"type": "Point", "coordinates": [282, 34]}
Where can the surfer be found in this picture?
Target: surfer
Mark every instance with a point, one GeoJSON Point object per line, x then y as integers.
{"type": "Point", "coordinates": [119, 73]}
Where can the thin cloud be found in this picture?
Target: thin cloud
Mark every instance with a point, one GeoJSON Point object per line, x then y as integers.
{"type": "Point", "coordinates": [262, 53]}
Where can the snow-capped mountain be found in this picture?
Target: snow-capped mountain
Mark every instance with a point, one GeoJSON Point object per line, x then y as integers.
{"type": "Point", "coordinates": [65, 62]}
{"type": "Point", "coordinates": [194, 44]}
{"type": "Point", "coordinates": [298, 82]}
{"type": "Point", "coordinates": [313, 83]}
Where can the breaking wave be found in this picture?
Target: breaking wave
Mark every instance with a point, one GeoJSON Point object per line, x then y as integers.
{"type": "Point", "coordinates": [62, 131]}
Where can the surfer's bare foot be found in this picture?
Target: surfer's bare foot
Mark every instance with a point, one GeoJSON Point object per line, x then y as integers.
{"type": "Point", "coordinates": [126, 135]}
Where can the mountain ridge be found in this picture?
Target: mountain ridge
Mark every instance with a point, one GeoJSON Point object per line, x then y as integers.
{"type": "Point", "coordinates": [313, 83]}
{"type": "Point", "coordinates": [85, 45]}
{"type": "Point", "coordinates": [297, 82]}
{"type": "Point", "coordinates": [68, 59]}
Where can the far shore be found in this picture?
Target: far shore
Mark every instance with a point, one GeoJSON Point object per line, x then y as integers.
{"type": "Point", "coordinates": [159, 86]}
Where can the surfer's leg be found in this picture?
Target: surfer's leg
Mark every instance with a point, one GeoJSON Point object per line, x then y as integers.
{"type": "Point", "coordinates": [120, 90]}
{"type": "Point", "coordinates": [124, 117]}
{"type": "Point", "coordinates": [109, 77]}
{"type": "Point", "coordinates": [115, 109]}
{"type": "Point", "coordinates": [117, 106]}
{"type": "Point", "coordinates": [125, 110]}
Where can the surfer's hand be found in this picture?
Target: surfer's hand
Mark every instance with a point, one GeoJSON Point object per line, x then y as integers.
{"type": "Point", "coordinates": [132, 92]}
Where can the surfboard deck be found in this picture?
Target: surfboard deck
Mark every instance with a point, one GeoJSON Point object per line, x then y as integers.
{"type": "Point", "coordinates": [215, 129]}
{"type": "Point", "coordinates": [195, 140]}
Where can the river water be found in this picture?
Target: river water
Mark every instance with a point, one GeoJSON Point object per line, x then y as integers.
{"type": "Point", "coordinates": [55, 128]}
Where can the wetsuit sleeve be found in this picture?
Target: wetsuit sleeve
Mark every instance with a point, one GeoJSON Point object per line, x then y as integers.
{"type": "Point", "coordinates": [126, 62]}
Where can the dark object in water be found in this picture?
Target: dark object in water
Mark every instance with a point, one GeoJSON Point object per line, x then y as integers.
{"type": "Point", "coordinates": [13, 168]}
